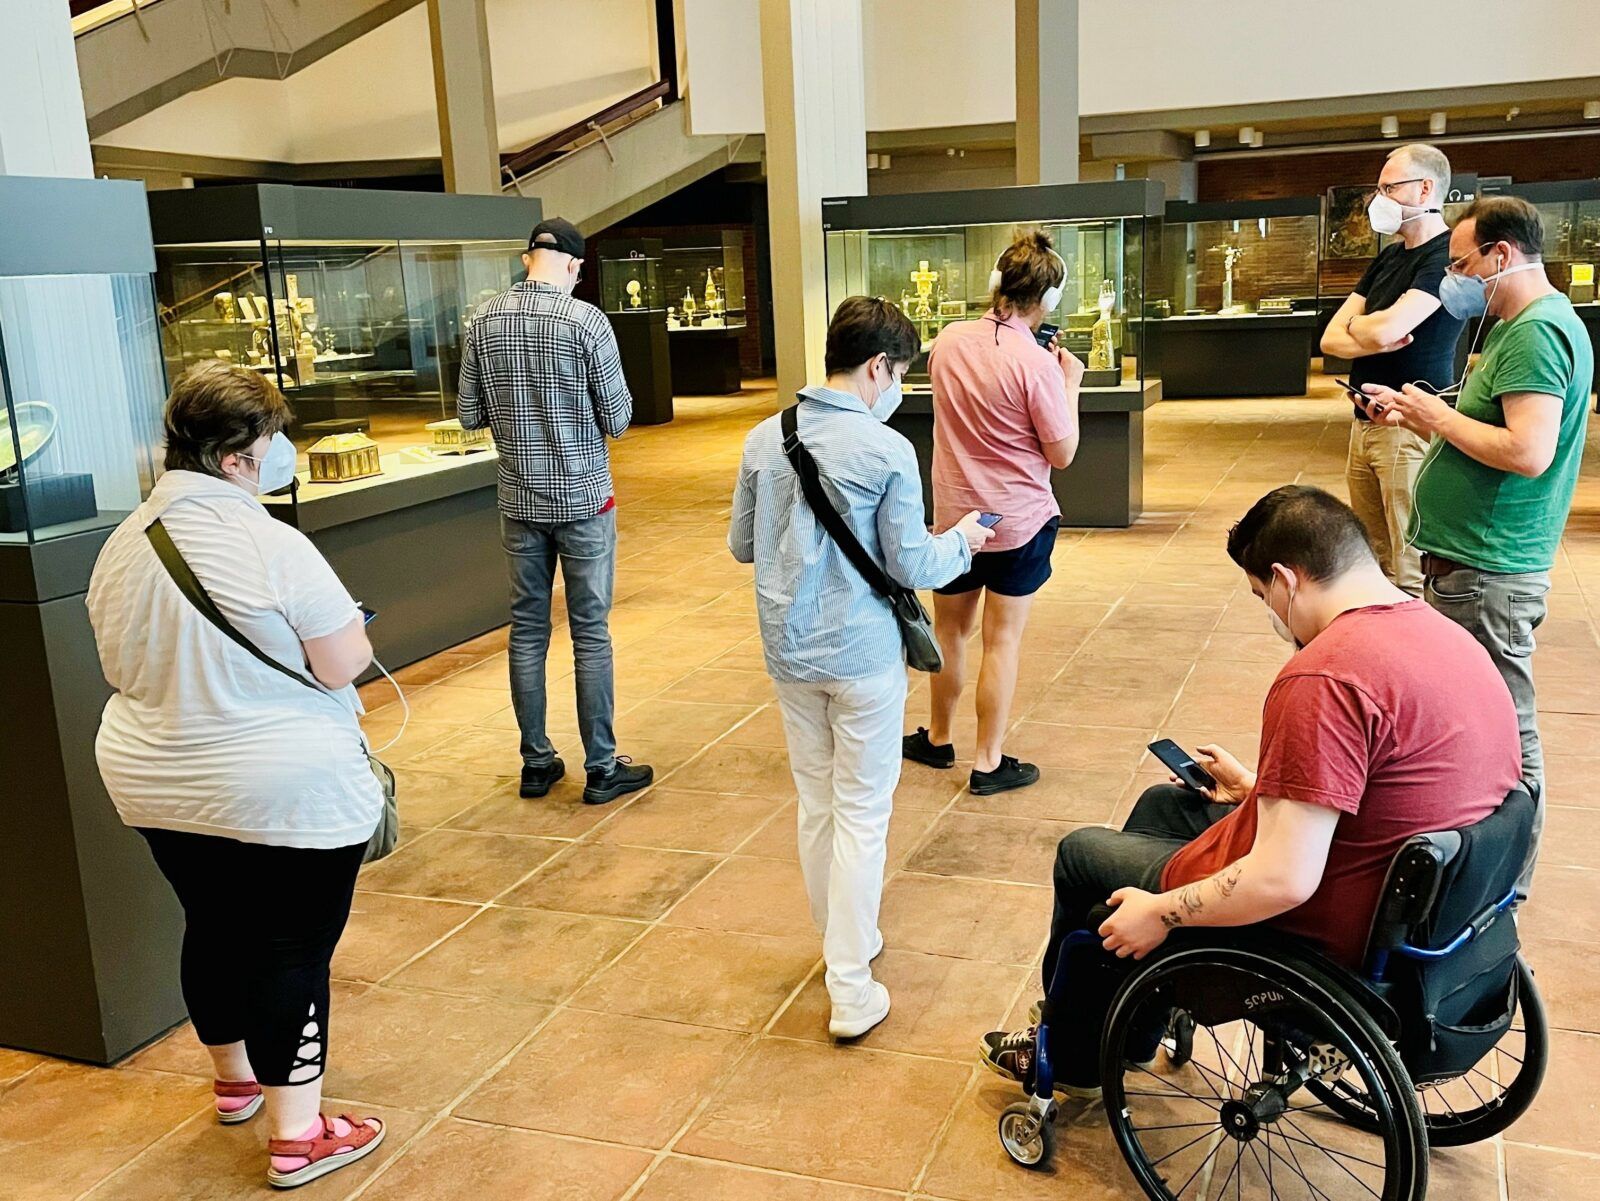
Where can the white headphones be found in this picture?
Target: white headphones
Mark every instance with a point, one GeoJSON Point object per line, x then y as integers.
{"type": "Point", "coordinates": [1051, 297]}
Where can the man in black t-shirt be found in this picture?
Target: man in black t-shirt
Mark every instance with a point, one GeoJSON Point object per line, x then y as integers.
{"type": "Point", "coordinates": [1395, 330]}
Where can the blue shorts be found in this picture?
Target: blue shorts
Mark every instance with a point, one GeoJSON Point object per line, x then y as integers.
{"type": "Point", "coordinates": [1020, 571]}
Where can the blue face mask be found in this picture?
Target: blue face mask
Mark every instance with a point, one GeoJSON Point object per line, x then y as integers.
{"type": "Point", "coordinates": [1465, 296]}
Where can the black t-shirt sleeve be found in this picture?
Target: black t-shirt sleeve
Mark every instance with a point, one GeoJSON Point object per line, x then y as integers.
{"type": "Point", "coordinates": [1364, 288]}
{"type": "Point", "coordinates": [1430, 271]}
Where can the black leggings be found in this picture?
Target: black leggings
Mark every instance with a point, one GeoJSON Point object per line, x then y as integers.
{"type": "Point", "coordinates": [261, 923]}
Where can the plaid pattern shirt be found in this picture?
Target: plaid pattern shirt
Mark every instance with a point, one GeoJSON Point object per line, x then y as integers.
{"type": "Point", "coordinates": [542, 371]}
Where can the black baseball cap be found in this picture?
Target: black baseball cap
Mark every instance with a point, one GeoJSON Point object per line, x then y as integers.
{"type": "Point", "coordinates": [556, 234]}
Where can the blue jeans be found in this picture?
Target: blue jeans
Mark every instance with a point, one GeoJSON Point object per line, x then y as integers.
{"type": "Point", "coordinates": [587, 551]}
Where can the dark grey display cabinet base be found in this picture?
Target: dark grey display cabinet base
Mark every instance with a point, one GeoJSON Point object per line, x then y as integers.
{"type": "Point", "coordinates": [705, 362]}
{"type": "Point", "coordinates": [1247, 355]}
{"type": "Point", "coordinates": [1104, 486]}
{"type": "Point", "coordinates": [89, 947]}
{"type": "Point", "coordinates": [423, 552]}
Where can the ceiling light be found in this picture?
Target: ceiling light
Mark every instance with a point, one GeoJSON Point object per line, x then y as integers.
{"type": "Point", "coordinates": [1390, 127]}
{"type": "Point", "coordinates": [884, 160]}
{"type": "Point", "coordinates": [1202, 137]}
{"type": "Point", "coordinates": [1258, 139]}
{"type": "Point", "coordinates": [872, 162]}
{"type": "Point", "coordinates": [1591, 111]}
{"type": "Point", "coordinates": [1513, 113]}
{"type": "Point", "coordinates": [1247, 135]}
{"type": "Point", "coordinates": [950, 152]}
{"type": "Point", "coordinates": [1437, 123]}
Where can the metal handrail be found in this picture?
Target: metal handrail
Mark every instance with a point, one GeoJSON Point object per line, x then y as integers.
{"type": "Point", "coordinates": [527, 160]}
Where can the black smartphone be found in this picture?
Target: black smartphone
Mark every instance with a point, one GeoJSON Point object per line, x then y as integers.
{"type": "Point", "coordinates": [1357, 395]}
{"type": "Point", "coordinates": [989, 520]}
{"type": "Point", "coordinates": [1045, 332]}
{"type": "Point", "coordinates": [367, 614]}
{"type": "Point", "coordinates": [1182, 765]}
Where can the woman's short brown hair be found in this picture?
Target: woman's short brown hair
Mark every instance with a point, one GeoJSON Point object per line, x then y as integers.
{"type": "Point", "coordinates": [216, 410]}
{"type": "Point", "coordinates": [864, 327]}
{"type": "Point", "coordinates": [1028, 269]}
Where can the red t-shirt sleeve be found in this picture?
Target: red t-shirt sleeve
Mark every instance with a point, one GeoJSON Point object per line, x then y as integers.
{"type": "Point", "coordinates": [1317, 738]}
{"type": "Point", "coordinates": [1047, 403]}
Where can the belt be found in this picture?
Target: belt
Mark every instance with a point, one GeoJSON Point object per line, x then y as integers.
{"type": "Point", "coordinates": [1434, 566]}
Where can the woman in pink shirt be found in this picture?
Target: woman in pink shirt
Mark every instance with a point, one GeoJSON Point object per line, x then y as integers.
{"type": "Point", "coordinates": [1005, 411]}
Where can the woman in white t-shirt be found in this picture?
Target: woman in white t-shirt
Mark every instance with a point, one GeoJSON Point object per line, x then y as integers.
{"type": "Point", "coordinates": [252, 790]}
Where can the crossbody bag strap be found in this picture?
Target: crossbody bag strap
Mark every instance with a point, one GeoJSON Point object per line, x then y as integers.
{"type": "Point", "coordinates": [189, 584]}
{"type": "Point", "coordinates": [805, 466]}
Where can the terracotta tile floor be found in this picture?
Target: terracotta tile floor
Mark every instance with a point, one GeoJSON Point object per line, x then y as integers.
{"type": "Point", "coordinates": [554, 1001]}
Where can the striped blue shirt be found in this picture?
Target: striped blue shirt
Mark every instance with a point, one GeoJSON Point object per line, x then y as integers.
{"type": "Point", "coordinates": [819, 619]}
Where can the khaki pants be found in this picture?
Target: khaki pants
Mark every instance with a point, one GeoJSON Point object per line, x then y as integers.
{"type": "Point", "coordinates": [1381, 474]}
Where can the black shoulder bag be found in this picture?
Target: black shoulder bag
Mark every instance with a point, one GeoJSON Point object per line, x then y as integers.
{"type": "Point", "coordinates": [387, 834]}
{"type": "Point", "coordinates": [916, 631]}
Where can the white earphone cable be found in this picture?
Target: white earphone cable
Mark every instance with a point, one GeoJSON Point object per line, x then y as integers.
{"type": "Point", "coordinates": [405, 707]}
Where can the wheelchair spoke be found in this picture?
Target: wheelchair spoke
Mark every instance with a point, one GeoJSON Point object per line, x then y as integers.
{"type": "Point", "coordinates": [1308, 1141]}
{"type": "Point", "coordinates": [1207, 1073]}
{"type": "Point", "coordinates": [1171, 1126]}
{"type": "Point", "coordinates": [1238, 1155]}
{"type": "Point", "coordinates": [1221, 1138]}
{"type": "Point", "coordinates": [1265, 1167]}
{"type": "Point", "coordinates": [1215, 1129]}
{"type": "Point", "coordinates": [1133, 1092]}
{"type": "Point", "coordinates": [1497, 1084]}
{"type": "Point", "coordinates": [1293, 1161]}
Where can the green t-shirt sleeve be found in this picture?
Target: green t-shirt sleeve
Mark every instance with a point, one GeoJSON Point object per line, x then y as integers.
{"type": "Point", "coordinates": [1536, 357]}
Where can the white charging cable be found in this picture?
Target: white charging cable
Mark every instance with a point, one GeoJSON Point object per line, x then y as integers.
{"type": "Point", "coordinates": [405, 707]}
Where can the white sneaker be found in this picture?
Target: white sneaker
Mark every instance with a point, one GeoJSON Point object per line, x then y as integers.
{"type": "Point", "coordinates": [879, 950]}
{"type": "Point", "coordinates": [853, 1025]}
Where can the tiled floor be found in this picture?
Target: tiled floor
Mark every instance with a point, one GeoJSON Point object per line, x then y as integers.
{"type": "Point", "coordinates": [553, 1001]}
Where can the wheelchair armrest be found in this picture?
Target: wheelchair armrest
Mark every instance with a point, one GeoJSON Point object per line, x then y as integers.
{"type": "Point", "coordinates": [1411, 888]}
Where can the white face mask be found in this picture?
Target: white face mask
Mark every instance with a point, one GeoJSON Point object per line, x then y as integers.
{"type": "Point", "coordinates": [1280, 627]}
{"type": "Point", "coordinates": [274, 470]}
{"type": "Point", "coordinates": [1388, 215]}
{"type": "Point", "coordinates": [889, 399]}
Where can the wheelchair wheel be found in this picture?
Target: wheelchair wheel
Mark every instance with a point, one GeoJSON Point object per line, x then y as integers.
{"type": "Point", "coordinates": [1237, 1119]}
{"type": "Point", "coordinates": [1483, 1101]}
{"type": "Point", "coordinates": [1028, 1136]}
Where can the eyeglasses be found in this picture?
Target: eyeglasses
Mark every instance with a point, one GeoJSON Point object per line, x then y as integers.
{"type": "Point", "coordinates": [1458, 266]}
{"type": "Point", "coordinates": [1388, 188]}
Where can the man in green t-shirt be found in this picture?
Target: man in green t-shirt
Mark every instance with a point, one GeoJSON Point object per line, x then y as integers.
{"type": "Point", "coordinates": [1493, 494]}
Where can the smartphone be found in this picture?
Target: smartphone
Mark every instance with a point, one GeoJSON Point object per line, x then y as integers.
{"type": "Point", "coordinates": [1357, 395]}
{"type": "Point", "coordinates": [366, 614]}
{"type": "Point", "coordinates": [1182, 765]}
{"type": "Point", "coordinates": [989, 520]}
{"type": "Point", "coordinates": [1045, 332]}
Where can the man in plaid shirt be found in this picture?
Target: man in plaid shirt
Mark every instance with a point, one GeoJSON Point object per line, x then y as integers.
{"type": "Point", "coordinates": [541, 370]}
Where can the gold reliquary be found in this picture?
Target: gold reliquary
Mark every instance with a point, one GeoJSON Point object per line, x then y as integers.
{"type": "Point", "coordinates": [450, 439]}
{"type": "Point", "coordinates": [339, 458]}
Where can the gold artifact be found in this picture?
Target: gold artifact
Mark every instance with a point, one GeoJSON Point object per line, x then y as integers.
{"type": "Point", "coordinates": [1275, 306]}
{"type": "Point", "coordinates": [672, 317]}
{"type": "Point", "coordinates": [1101, 354]}
{"type": "Point", "coordinates": [688, 307]}
{"type": "Point", "coordinates": [923, 280]}
{"type": "Point", "coordinates": [633, 293]}
{"type": "Point", "coordinates": [713, 297]}
{"type": "Point", "coordinates": [449, 438]}
{"type": "Point", "coordinates": [339, 458]}
{"type": "Point", "coordinates": [223, 303]}
{"type": "Point", "coordinates": [1581, 290]}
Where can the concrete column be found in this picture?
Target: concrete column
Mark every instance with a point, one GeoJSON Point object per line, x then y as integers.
{"type": "Point", "coordinates": [1047, 91]}
{"type": "Point", "coordinates": [42, 126]}
{"type": "Point", "coordinates": [463, 88]}
{"type": "Point", "coordinates": [811, 64]}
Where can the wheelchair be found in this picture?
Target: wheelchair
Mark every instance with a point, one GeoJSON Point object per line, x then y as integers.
{"type": "Point", "coordinates": [1244, 1064]}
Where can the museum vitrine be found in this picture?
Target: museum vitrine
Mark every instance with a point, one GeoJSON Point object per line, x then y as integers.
{"type": "Point", "coordinates": [355, 303]}
{"type": "Point", "coordinates": [931, 255]}
{"type": "Point", "coordinates": [1233, 297]}
{"type": "Point", "coordinates": [81, 383]}
{"type": "Point", "coordinates": [631, 276]}
{"type": "Point", "coordinates": [705, 283]}
{"type": "Point", "coordinates": [633, 296]}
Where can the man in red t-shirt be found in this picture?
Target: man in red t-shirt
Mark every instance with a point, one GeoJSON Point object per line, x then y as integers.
{"type": "Point", "coordinates": [1390, 721]}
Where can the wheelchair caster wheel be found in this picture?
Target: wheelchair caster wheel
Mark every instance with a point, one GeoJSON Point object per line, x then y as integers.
{"type": "Point", "coordinates": [1180, 1038]}
{"type": "Point", "coordinates": [1028, 1137]}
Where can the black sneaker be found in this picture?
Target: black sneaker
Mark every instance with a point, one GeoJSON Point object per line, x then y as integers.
{"type": "Point", "coordinates": [1012, 1056]}
{"type": "Point", "coordinates": [919, 748]}
{"type": "Point", "coordinates": [1010, 774]}
{"type": "Point", "coordinates": [606, 786]}
{"type": "Point", "coordinates": [538, 781]}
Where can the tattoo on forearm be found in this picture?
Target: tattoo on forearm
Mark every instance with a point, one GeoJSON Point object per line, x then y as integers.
{"type": "Point", "coordinates": [1191, 899]}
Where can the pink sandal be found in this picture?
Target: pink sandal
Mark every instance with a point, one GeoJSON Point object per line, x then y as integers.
{"type": "Point", "coordinates": [237, 1100]}
{"type": "Point", "coordinates": [331, 1144]}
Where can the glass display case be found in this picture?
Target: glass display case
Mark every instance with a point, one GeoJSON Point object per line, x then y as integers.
{"type": "Point", "coordinates": [1234, 292]}
{"type": "Point", "coordinates": [705, 284]}
{"type": "Point", "coordinates": [937, 271]}
{"type": "Point", "coordinates": [81, 383]}
{"type": "Point", "coordinates": [364, 334]}
{"type": "Point", "coordinates": [631, 277]}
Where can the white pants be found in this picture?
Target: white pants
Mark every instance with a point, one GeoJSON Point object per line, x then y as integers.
{"type": "Point", "coordinates": [844, 751]}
